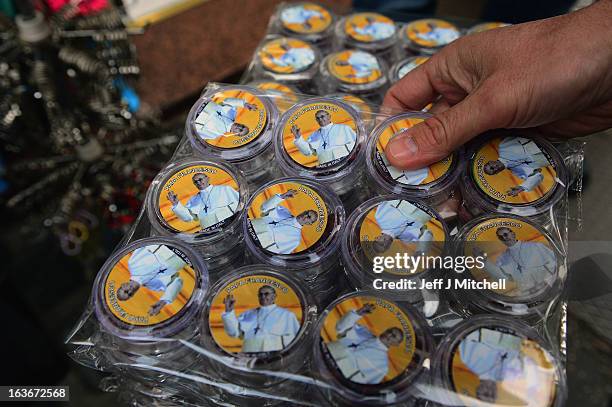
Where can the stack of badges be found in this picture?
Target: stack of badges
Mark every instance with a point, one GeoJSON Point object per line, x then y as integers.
{"type": "Point", "coordinates": [322, 139]}
{"type": "Point", "coordinates": [304, 20]}
{"type": "Point", "coordinates": [497, 361]}
{"type": "Point", "coordinates": [371, 350]}
{"type": "Point", "coordinates": [258, 316]}
{"type": "Point", "coordinates": [288, 60]}
{"type": "Point", "coordinates": [391, 226]}
{"type": "Point", "coordinates": [295, 224]}
{"type": "Point", "coordinates": [283, 95]}
{"type": "Point", "coordinates": [428, 36]}
{"type": "Point", "coordinates": [355, 72]}
{"type": "Point", "coordinates": [201, 202]}
{"type": "Point", "coordinates": [513, 174]}
{"type": "Point", "coordinates": [371, 32]}
{"type": "Point", "coordinates": [521, 256]}
{"type": "Point", "coordinates": [150, 291]}
{"type": "Point", "coordinates": [235, 123]}
{"type": "Point", "coordinates": [401, 68]}
{"type": "Point", "coordinates": [433, 184]}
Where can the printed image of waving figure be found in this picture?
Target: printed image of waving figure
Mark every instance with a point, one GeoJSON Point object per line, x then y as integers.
{"type": "Point", "coordinates": [529, 265]}
{"type": "Point", "coordinates": [363, 64]}
{"type": "Point", "coordinates": [403, 221]}
{"type": "Point", "coordinates": [496, 357]}
{"type": "Point", "coordinates": [361, 356]}
{"type": "Point", "coordinates": [149, 269]}
{"type": "Point", "coordinates": [330, 142]}
{"type": "Point", "coordinates": [210, 205]}
{"type": "Point", "coordinates": [218, 119]}
{"type": "Point", "coordinates": [523, 158]}
{"type": "Point", "coordinates": [376, 30]}
{"type": "Point", "coordinates": [298, 58]}
{"type": "Point", "coordinates": [277, 230]}
{"type": "Point", "coordinates": [266, 328]}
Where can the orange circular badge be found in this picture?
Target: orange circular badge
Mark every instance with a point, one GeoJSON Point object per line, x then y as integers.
{"type": "Point", "coordinates": [497, 366]}
{"type": "Point", "coordinates": [369, 27]}
{"type": "Point", "coordinates": [486, 27]}
{"type": "Point", "coordinates": [431, 33]}
{"type": "Point", "coordinates": [149, 285]}
{"type": "Point", "coordinates": [354, 67]}
{"type": "Point", "coordinates": [356, 103]}
{"type": "Point", "coordinates": [421, 176]}
{"type": "Point", "coordinates": [282, 95]}
{"type": "Point", "coordinates": [287, 55]}
{"type": "Point", "coordinates": [320, 135]}
{"type": "Point", "coordinates": [199, 198]}
{"type": "Point", "coordinates": [287, 218]}
{"type": "Point", "coordinates": [513, 170]}
{"type": "Point", "coordinates": [230, 119]}
{"type": "Point", "coordinates": [368, 340]}
{"type": "Point", "coordinates": [515, 251]}
{"type": "Point", "coordinates": [305, 18]}
{"type": "Point", "coordinates": [397, 227]}
{"type": "Point", "coordinates": [255, 314]}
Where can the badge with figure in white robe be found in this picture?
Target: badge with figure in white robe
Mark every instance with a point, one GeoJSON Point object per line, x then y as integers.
{"type": "Point", "coordinates": [286, 55]}
{"type": "Point", "coordinates": [258, 314]}
{"type": "Point", "coordinates": [305, 18]}
{"type": "Point", "coordinates": [199, 199]}
{"type": "Point", "coordinates": [320, 135]}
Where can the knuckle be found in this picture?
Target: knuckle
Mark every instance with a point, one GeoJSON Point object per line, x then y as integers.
{"type": "Point", "coordinates": [434, 135]}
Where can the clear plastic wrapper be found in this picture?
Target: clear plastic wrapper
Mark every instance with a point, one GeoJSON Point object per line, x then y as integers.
{"type": "Point", "coordinates": [283, 95]}
{"type": "Point", "coordinates": [235, 123]}
{"type": "Point", "coordinates": [401, 68]}
{"type": "Point", "coordinates": [486, 27]}
{"type": "Point", "coordinates": [218, 345]}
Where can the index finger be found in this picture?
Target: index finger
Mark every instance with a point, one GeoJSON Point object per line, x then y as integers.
{"type": "Point", "coordinates": [414, 91]}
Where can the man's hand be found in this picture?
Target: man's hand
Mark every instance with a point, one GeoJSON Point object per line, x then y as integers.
{"type": "Point", "coordinates": [229, 302]}
{"type": "Point", "coordinates": [250, 106]}
{"type": "Point", "coordinates": [173, 198]}
{"type": "Point", "coordinates": [366, 309]}
{"type": "Point", "coordinates": [156, 308]}
{"type": "Point", "coordinates": [289, 194]}
{"type": "Point", "coordinates": [552, 75]}
{"type": "Point", "coordinates": [514, 191]}
{"type": "Point", "coordinates": [295, 130]}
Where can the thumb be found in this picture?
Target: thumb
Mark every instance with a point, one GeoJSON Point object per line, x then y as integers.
{"type": "Point", "coordinates": [438, 136]}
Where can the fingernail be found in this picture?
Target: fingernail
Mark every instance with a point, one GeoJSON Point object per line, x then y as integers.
{"type": "Point", "coordinates": [401, 148]}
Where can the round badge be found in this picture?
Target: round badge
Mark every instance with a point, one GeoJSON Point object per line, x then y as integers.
{"type": "Point", "coordinates": [282, 95]}
{"type": "Point", "coordinates": [199, 198]}
{"type": "Point", "coordinates": [258, 313]}
{"type": "Point", "coordinates": [287, 55]}
{"type": "Point", "coordinates": [422, 176]}
{"type": "Point", "coordinates": [431, 33]}
{"type": "Point", "coordinates": [514, 170]}
{"type": "Point", "coordinates": [486, 27]}
{"type": "Point", "coordinates": [320, 135]}
{"type": "Point", "coordinates": [149, 285]}
{"type": "Point", "coordinates": [515, 251]}
{"type": "Point", "coordinates": [230, 119]}
{"type": "Point", "coordinates": [410, 65]}
{"type": "Point", "coordinates": [305, 18]}
{"type": "Point", "coordinates": [501, 366]}
{"type": "Point", "coordinates": [287, 218]}
{"type": "Point", "coordinates": [398, 227]}
{"type": "Point", "coordinates": [369, 341]}
{"type": "Point", "coordinates": [354, 67]}
{"type": "Point", "coordinates": [369, 27]}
